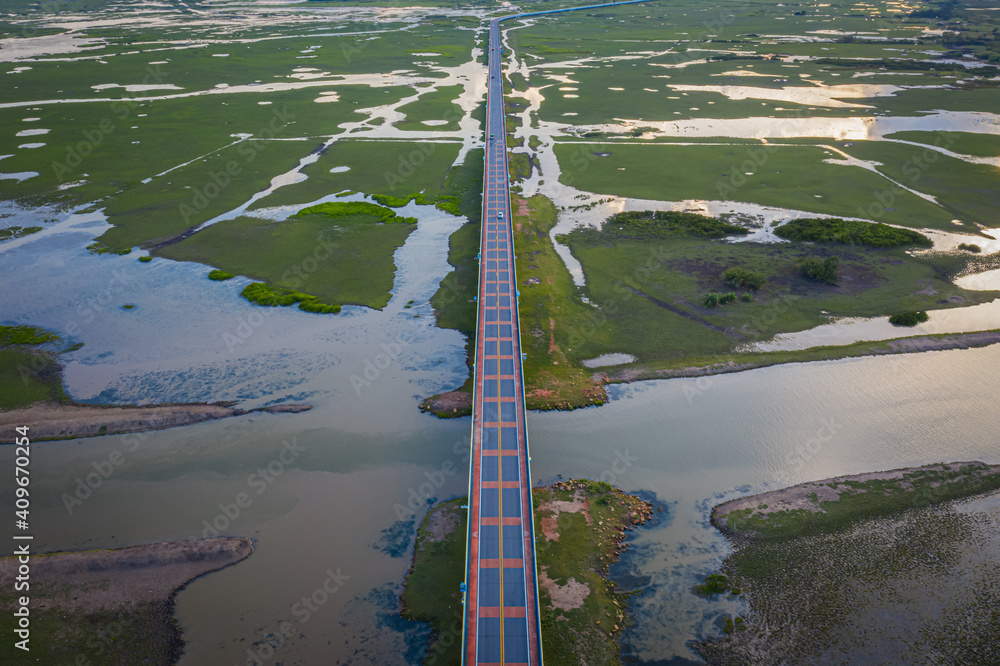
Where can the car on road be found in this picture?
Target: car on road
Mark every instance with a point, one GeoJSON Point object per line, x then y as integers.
{"type": "Point", "coordinates": [500, 215]}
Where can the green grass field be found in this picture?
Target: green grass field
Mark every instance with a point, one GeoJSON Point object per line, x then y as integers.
{"type": "Point", "coordinates": [341, 260]}
{"type": "Point", "coordinates": [794, 177]}
{"type": "Point", "coordinates": [436, 105]}
{"type": "Point", "coordinates": [28, 376]}
{"type": "Point", "coordinates": [550, 311]}
{"type": "Point", "coordinates": [648, 299]}
{"type": "Point", "coordinates": [396, 168]}
{"type": "Point", "coordinates": [29, 369]}
{"type": "Point", "coordinates": [651, 292]}
{"type": "Point", "coordinates": [965, 143]}
{"type": "Point", "coordinates": [432, 585]}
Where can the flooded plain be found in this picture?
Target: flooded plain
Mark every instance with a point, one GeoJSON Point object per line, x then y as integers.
{"type": "Point", "coordinates": [336, 492]}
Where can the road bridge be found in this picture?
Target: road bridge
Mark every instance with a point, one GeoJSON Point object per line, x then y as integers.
{"type": "Point", "coordinates": [501, 623]}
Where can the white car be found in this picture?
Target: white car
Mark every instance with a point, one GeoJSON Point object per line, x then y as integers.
{"type": "Point", "coordinates": [500, 215]}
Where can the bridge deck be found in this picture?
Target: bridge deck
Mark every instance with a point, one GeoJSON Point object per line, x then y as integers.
{"type": "Point", "coordinates": [501, 623]}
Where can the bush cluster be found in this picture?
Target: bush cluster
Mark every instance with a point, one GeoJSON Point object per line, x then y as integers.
{"type": "Point", "coordinates": [655, 224]}
{"type": "Point", "coordinates": [261, 294]}
{"type": "Point", "coordinates": [711, 300]}
{"type": "Point", "coordinates": [25, 335]}
{"type": "Point", "coordinates": [743, 278]}
{"type": "Point", "coordinates": [850, 232]}
{"type": "Point", "coordinates": [822, 270]}
{"type": "Point", "coordinates": [343, 208]}
{"type": "Point", "coordinates": [908, 318]}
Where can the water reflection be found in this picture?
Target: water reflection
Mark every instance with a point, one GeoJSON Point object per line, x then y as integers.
{"type": "Point", "coordinates": [848, 330]}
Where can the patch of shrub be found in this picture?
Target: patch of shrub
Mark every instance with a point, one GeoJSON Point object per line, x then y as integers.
{"type": "Point", "coordinates": [98, 248]}
{"type": "Point", "coordinates": [711, 300]}
{"type": "Point", "coordinates": [851, 232]}
{"type": "Point", "coordinates": [391, 201]}
{"type": "Point", "coordinates": [25, 335]}
{"type": "Point", "coordinates": [734, 624]}
{"type": "Point", "coordinates": [655, 224]}
{"type": "Point", "coordinates": [448, 203]}
{"type": "Point", "coordinates": [714, 584]}
{"type": "Point", "coordinates": [822, 270]}
{"type": "Point", "coordinates": [343, 208]}
{"type": "Point", "coordinates": [16, 232]}
{"type": "Point", "coordinates": [746, 297]}
{"type": "Point", "coordinates": [146, 259]}
{"type": "Point", "coordinates": [261, 294]}
{"type": "Point", "coordinates": [313, 305]}
{"type": "Point", "coordinates": [970, 247]}
{"type": "Point", "coordinates": [220, 276]}
{"type": "Point", "coordinates": [908, 318]}
{"type": "Point", "coordinates": [743, 278]}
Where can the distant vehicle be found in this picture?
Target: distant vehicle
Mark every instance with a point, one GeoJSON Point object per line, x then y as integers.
{"type": "Point", "coordinates": [491, 136]}
{"type": "Point", "coordinates": [500, 215]}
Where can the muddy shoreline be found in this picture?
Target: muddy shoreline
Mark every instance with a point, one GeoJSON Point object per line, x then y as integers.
{"type": "Point", "coordinates": [117, 605]}
{"type": "Point", "coordinates": [71, 420]}
{"type": "Point", "coordinates": [912, 345]}
{"type": "Point", "coordinates": [458, 403]}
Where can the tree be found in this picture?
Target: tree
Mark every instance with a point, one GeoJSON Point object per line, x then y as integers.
{"type": "Point", "coordinates": [826, 270]}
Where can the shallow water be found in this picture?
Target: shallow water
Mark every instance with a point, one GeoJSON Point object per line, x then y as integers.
{"type": "Point", "coordinates": [608, 359]}
{"type": "Point", "coordinates": [847, 330]}
{"type": "Point", "coordinates": [348, 502]}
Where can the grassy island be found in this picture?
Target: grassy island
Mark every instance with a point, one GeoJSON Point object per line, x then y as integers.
{"type": "Point", "coordinates": [29, 371]}
{"type": "Point", "coordinates": [581, 527]}
{"type": "Point", "coordinates": [822, 564]}
{"type": "Point", "coordinates": [674, 291]}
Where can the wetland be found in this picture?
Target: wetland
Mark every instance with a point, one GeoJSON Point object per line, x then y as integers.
{"type": "Point", "coordinates": [219, 137]}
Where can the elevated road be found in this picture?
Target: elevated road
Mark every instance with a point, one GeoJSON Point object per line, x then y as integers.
{"type": "Point", "coordinates": [502, 623]}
